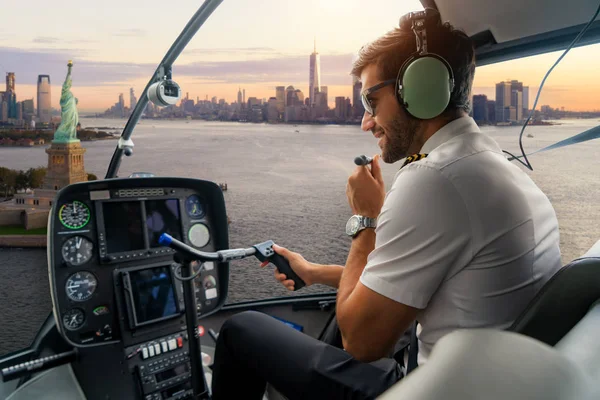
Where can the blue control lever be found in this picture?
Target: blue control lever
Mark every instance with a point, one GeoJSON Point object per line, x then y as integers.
{"type": "Point", "coordinates": [263, 251]}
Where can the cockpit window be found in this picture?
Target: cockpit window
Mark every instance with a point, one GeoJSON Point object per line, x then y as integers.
{"type": "Point", "coordinates": [268, 110]}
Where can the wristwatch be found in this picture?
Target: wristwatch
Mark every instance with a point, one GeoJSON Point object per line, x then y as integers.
{"type": "Point", "coordinates": [357, 223]}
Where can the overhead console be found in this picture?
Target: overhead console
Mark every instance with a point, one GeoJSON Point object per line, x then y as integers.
{"type": "Point", "coordinates": [111, 280]}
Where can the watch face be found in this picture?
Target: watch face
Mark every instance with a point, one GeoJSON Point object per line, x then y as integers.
{"type": "Point", "coordinates": [352, 225]}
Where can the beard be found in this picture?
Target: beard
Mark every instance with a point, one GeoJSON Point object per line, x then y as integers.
{"type": "Point", "coordinates": [398, 139]}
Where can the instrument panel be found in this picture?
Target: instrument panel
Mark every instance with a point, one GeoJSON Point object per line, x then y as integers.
{"type": "Point", "coordinates": [111, 280]}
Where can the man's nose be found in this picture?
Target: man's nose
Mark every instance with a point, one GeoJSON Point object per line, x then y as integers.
{"type": "Point", "coordinates": [367, 122]}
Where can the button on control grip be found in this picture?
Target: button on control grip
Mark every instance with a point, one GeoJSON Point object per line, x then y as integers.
{"type": "Point", "coordinates": [264, 251]}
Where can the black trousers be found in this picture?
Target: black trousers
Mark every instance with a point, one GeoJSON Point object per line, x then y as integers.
{"type": "Point", "coordinates": [254, 348]}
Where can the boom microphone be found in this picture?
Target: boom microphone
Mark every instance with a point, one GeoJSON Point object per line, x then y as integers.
{"type": "Point", "coordinates": [363, 160]}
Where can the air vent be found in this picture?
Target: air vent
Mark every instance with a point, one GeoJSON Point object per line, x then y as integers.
{"type": "Point", "coordinates": [140, 192]}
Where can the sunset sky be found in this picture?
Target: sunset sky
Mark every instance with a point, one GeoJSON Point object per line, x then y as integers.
{"type": "Point", "coordinates": [256, 45]}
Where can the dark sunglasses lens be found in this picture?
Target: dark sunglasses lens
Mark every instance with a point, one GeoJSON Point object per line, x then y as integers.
{"type": "Point", "coordinates": [366, 104]}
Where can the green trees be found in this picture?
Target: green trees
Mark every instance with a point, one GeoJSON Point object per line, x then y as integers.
{"type": "Point", "coordinates": [12, 180]}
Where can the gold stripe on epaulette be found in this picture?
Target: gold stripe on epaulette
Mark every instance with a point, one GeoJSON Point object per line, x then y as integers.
{"type": "Point", "coordinates": [413, 158]}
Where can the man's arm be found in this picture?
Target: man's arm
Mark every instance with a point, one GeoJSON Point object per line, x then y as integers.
{"type": "Point", "coordinates": [329, 275]}
{"type": "Point", "coordinates": [370, 323]}
{"type": "Point", "coordinates": [421, 234]}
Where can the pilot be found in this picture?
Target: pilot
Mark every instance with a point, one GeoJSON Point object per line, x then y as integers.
{"type": "Point", "coordinates": [463, 238]}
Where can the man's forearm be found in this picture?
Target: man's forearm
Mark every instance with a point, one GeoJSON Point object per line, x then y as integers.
{"type": "Point", "coordinates": [362, 245]}
{"type": "Point", "coordinates": [328, 275]}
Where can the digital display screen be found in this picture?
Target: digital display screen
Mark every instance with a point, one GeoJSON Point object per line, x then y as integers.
{"type": "Point", "coordinates": [172, 373]}
{"type": "Point", "coordinates": [123, 226]}
{"type": "Point", "coordinates": [153, 294]}
{"type": "Point", "coordinates": [162, 216]}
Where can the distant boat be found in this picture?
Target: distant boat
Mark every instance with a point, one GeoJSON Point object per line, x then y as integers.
{"type": "Point", "coordinates": [529, 135]}
{"type": "Point", "coordinates": [297, 131]}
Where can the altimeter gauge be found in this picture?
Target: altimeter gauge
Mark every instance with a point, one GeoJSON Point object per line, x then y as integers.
{"type": "Point", "coordinates": [81, 286]}
{"type": "Point", "coordinates": [73, 319]}
{"type": "Point", "coordinates": [74, 215]}
{"type": "Point", "coordinates": [77, 250]}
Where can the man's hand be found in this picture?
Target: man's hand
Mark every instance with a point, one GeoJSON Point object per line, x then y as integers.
{"type": "Point", "coordinates": [366, 190]}
{"type": "Point", "coordinates": [299, 265]}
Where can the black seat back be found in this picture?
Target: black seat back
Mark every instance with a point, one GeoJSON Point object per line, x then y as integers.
{"type": "Point", "coordinates": [562, 302]}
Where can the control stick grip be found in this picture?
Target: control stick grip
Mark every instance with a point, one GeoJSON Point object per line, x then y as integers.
{"type": "Point", "coordinates": [264, 251]}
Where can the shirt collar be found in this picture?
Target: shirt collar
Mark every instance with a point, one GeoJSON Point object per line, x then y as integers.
{"type": "Point", "coordinates": [450, 130]}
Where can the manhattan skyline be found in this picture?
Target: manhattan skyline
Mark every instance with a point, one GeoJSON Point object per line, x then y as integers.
{"type": "Point", "coordinates": [257, 47]}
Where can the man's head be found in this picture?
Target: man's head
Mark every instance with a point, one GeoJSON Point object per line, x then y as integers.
{"type": "Point", "coordinates": [379, 62]}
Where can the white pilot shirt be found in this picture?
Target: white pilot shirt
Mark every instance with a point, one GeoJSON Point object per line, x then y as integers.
{"type": "Point", "coordinates": [463, 235]}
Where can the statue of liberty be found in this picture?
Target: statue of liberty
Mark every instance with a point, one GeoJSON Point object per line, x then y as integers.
{"type": "Point", "coordinates": [67, 131]}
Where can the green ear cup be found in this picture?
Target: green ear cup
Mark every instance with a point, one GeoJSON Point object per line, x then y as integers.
{"type": "Point", "coordinates": [426, 87]}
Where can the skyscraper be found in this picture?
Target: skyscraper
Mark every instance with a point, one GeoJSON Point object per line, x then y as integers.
{"type": "Point", "coordinates": [525, 101]}
{"type": "Point", "coordinates": [280, 97]}
{"type": "Point", "coordinates": [44, 105]}
{"type": "Point", "coordinates": [480, 108]}
{"type": "Point", "coordinates": [132, 99]}
{"type": "Point", "coordinates": [314, 79]}
{"type": "Point", "coordinates": [289, 96]}
{"type": "Point", "coordinates": [503, 98]}
{"type": "Point", "coordinates": [240, 100]}
{"type": "Point", "coordinates": [244, 96]}
{"type": "Point", "coordinates": [10, 82]}
{"type": "Point", "coordinates": [358, 108]}
{"type": "Point", "coordinates": [121, 105]}
{"type": "Point", "coordinates": [10, 96]}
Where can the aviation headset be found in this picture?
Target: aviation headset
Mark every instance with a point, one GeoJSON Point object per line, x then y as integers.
{"type": "Point", "coordinates": [425, 81]}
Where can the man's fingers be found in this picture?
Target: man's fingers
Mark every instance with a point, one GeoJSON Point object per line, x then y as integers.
{"type": "Point", "coordinates": [289, 284]}
{"type": "Point", "coordinates": [376, 169]}
{"type": "Point", "coordinates": [279, 277]}
{"type": "Point", "coordinates": [282, 251]}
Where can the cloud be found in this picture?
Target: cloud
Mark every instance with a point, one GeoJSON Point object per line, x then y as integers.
{"type": "Point", "coordinates": [28, 64]}
{"type": "Point", "coordinates": [335, 70]}
{"type": "Point", "coordinates": [233, 50]}
{"type": "Point", "coordinates": [130, 33]}
{"type": "Point", "coordinates": [45, 39]}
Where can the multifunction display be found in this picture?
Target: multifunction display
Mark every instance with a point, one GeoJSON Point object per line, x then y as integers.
{"type": "Point", "coordinates": [151, 295]}
{"type": "Point", "coordinates": [130, 229]}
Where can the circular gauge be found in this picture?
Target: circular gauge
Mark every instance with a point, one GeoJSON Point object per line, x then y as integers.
{"type": "Point", "coordinates": [73, 319]}
{"type": "Point", "coordinates": [77, 250]}
{"type": "Point", "coordinates": [74, 215]}
{"type": "Point", "coordinates": [209, 282]}
{"type": "Point", "coordinates": [81, 285]}
{"type": "Point", "coordinates": [194, 207]}
{"type": "Point", "coordinates": [199, 235]}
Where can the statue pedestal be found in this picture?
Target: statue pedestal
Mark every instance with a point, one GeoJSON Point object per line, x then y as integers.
{"type": "Point", "coordinates": [65, 165]}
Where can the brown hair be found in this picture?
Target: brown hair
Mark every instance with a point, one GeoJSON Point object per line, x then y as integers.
{"type": "Point", "coordinates": [391, 50]}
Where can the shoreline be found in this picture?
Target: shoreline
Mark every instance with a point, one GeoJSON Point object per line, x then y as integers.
{"type": "Point", "coordinates": [21, 241]}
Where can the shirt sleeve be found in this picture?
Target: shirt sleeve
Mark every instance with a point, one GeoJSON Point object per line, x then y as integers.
{"type": "Point", "coordinates": [423, 230]}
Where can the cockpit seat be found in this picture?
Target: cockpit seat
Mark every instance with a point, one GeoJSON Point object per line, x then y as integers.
{"type": "Point", "coordinates": [492, 364]}
{"type": "Point", "coordinates": [562, 302]}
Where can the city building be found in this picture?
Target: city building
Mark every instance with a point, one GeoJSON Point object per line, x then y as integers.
{"type": "Point", "coordinates": [503, 98]}
{"type": "Point", "coordinates": [340, 107]}
{"type": "Point", "coordinates": [511, 93]}
{"type": "Point", "coordinates": [314, 79]}
{"type": "Point", "coordinates": [132, 99]}
{"type": "Point", "coordinates": [121, 103]}
{"type": "Point", "coordinates": [358, 109]}
{"type": "Point", "coordinates": [44, 105]}
{"type": "Point", "coordinates": [480, 108]}
{"type": "Point", "coordinates": [280, 96]}
{"type": "Point", "coordinates": [491, 111]}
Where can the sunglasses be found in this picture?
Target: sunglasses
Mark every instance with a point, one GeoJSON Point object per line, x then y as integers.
{"type": "Point", "coordinates": [364, 96]}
